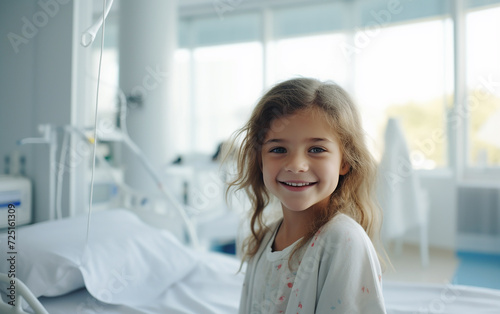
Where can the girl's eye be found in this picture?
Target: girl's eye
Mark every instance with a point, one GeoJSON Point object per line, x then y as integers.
{"type": "Point", "coordinates": [317, 150]}
{"type": "Point", "coordinates": [278, 150]}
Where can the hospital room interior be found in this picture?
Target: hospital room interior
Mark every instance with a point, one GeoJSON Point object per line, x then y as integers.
{"type": "Point", "coordinates": [118, 112]}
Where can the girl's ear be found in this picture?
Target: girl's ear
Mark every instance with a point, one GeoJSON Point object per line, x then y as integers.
{"type": "Point", "coordinates": [344, 168]}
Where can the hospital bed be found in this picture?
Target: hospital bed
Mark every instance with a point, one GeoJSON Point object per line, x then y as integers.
{"type": "Point", "coordinates": [124, 266]}
{"type": "Point", "coordinates": [128, 266]}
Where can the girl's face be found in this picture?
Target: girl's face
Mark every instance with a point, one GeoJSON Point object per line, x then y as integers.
{"type": "Point", "coordinates": [302, 160]}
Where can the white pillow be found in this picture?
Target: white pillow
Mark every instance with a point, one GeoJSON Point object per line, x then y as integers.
{"type": "Point", "coordinates": [125, 262]}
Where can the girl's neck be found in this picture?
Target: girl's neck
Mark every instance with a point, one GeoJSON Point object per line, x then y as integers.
{"type": "Point", "coordinates": [294, 226]}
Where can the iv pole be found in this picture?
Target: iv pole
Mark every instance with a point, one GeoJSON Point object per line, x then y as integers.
{"type": "Point", "coordinates": [87, 38]}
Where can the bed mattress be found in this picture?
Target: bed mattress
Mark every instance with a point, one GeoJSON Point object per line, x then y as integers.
{"type": "Point", "coordinates": [213, 287]}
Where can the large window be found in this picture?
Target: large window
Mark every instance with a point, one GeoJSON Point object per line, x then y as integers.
{"type": "Point", "coordinates": [483, 87]}
{"type": "Point", "coordinates": [227, 82]}
{"type": "Point", "coordinates": [398, 61]}
{"type": "Point", "coordinates": [312, 56]}
{"type": "Point", "coordinates": [405, 72]}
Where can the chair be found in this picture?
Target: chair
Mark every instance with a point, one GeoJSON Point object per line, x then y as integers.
{"type": "Point", "coordinates": [404, 203]}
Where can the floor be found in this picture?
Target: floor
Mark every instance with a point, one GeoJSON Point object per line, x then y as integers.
{"type": "Point", "coordinates": [408, 267]}
{"type": "Point", "coordinates": [445, 266]}
{"type": "Point", "coordinates": [477, 269]}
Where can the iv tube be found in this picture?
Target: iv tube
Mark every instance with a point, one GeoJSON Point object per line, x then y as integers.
{"type": "Point", "coordinates": [89, 35]}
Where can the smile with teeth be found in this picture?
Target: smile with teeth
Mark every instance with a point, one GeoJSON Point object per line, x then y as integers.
{"type": "Point", "coordinates": [299, 184]}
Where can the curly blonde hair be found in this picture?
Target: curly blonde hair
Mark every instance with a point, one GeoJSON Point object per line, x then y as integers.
{"type": "Point", "coordinates": [354, 195]}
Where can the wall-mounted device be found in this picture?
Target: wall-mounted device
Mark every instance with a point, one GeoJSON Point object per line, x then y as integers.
{"type": "Point", "coordinates": [15, 199]}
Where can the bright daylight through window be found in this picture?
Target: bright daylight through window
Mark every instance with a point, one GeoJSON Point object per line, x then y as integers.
{"type": "Point", "coordinates": [405, 69]}
{"type": "Point", "coordinates": [483, 87]}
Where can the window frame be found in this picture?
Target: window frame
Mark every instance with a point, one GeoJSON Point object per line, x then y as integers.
{"type": "Point", "coordinates": [457, 138]}
{"type": "Point", "coordinates": [459, 141]}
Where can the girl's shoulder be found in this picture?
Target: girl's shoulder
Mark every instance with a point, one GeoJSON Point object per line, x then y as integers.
{"type": "Point", "coordinates": [342, 230]}
{"type": "Point", "coordinates": [342, 223]}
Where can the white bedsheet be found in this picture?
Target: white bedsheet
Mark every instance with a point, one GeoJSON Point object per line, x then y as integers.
{"type": "Point", "coordinates": [425, 298]}
{"type": "Point", "coordinates": [213, 287]}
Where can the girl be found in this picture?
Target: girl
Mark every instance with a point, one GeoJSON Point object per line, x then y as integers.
{"type": "Point", "coordinates": [304, 145]}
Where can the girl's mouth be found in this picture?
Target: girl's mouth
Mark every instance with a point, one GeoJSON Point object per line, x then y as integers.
{"type": "Point", "coordinates": [296, 186]}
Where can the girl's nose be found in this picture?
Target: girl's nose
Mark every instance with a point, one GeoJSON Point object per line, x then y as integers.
{"type": "Point", "coordinates": [296, 163]}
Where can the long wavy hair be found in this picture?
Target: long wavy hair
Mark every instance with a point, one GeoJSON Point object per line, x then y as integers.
{"type": "Point", "coordinates": [354, 195]}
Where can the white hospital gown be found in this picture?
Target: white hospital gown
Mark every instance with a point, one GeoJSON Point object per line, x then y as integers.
{"type": "Point", "coordinates": [339, 272]}
{"type": "Point", "coordinates": [273, 281]}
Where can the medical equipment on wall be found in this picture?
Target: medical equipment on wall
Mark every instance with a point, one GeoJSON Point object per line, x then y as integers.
{"type": "Point", "coordinates": [87, 38]}
{"type": "Point", "coordinates": [49, 137]}
{"type": "Point", "coordinates": [15, 200]}
{"type": "Point", "coordinates": [107, 179]}
{"type": "Point", "coordinates": [15, 164]}
{"type": "Point", "coordinates": [106, 194]}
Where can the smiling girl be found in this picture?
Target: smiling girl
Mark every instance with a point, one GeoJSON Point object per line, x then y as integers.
{"type": "Point", "coordinates": [304, 146]}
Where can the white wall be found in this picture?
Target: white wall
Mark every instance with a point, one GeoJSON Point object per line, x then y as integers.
{"type": "Point", "coordinates": [442, 212]}
{"type": "Point", "coordinates": [440, 187]}
{"type": "Point", "coordinates": [35, 83]}
{"type": "Point", "coordinates": [16, 79]}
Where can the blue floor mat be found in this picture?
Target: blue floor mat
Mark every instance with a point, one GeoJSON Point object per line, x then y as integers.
{"type": "Point", "coordinates": [478, 269]}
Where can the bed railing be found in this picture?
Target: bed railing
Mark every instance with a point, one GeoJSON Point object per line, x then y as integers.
{"type": "Point", "coordinates": [14, 306]}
